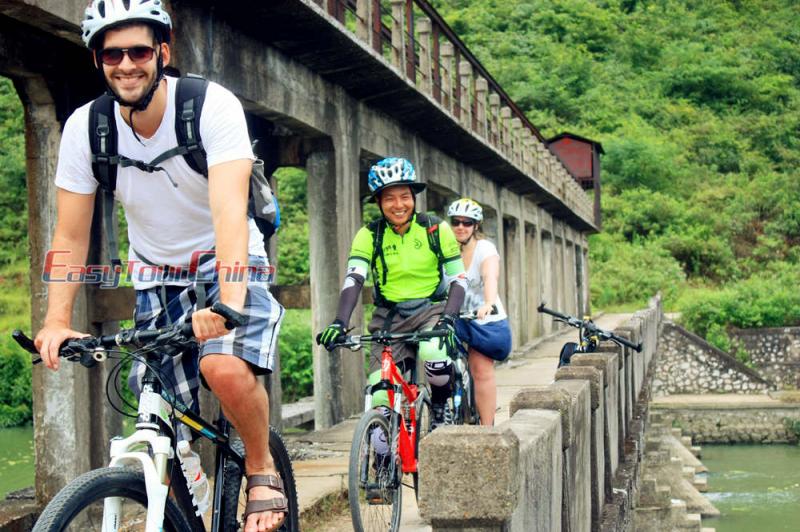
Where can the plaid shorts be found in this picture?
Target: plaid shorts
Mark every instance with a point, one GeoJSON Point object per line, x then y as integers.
{"type": "Point", "coordinates": [255, 342]}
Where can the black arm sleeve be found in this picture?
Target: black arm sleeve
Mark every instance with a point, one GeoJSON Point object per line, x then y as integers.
{"type": "Point", "coordinates": [455, 298]}
{"type": "Point", "coordinates": [349, 296]}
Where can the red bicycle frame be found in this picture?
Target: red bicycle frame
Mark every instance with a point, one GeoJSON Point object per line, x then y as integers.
{"type": "Point", "coordinates": [407, 438]}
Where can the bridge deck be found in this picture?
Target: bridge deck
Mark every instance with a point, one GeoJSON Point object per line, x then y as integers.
{"type": "Point", "coordinates": [322, 467]}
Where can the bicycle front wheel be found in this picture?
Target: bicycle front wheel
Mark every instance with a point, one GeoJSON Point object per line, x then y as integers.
{"type": "Point", "coordinates": [374, 486]}
{"type": "Point", "coordinates": [424, 419]}
{"type": "Point", "coordinates": [234, 497]}
{"type": "Point", "coordinates": [79, 506]}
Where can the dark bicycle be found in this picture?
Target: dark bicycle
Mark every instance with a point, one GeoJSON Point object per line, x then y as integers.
{"type": "Point", "coordinates": [144, 487]}
{"type": "Point", "coordinates": [464, 407]}
{"type": "Point", "coordinates": [589, 336]}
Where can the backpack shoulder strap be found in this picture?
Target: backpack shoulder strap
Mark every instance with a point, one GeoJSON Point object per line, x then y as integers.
{"type": "Point", "coordinates": [431, 224]}
{"type": "Point", "coordinates": [190, 94]}
{"type": "Point", "coordinates": [103, 142]}
{"type": "Point", "coordinates": [105, 159]}
{"type": "Point", "coordinates": [377, 228]}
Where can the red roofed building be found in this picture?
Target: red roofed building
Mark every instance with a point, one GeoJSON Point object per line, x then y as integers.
{"type": "Point", "coordinates": [581, 156]}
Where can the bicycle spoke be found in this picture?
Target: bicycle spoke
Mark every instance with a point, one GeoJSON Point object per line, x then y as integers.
{"type": "Point", "coordinates": [375, 493]}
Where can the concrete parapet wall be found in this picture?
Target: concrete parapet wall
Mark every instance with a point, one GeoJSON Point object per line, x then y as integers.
{"type": "Point", "coordinates": [572, 451]}
{"type": "Point", "coordinates": [488, 495]}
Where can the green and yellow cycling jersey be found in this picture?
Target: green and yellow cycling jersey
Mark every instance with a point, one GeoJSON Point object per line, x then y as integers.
{"type": "Point", "coordinates": [412, 267]}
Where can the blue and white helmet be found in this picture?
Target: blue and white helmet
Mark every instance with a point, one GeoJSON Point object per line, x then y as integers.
{"type": "Point", "coordinates": [466, 207]}
{"type": "Point", "coordinates": [393, 171]}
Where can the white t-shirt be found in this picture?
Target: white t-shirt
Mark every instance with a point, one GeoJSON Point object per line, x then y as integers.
{"type": "Point", "coordinates": [166, 224]}
{"type": "Point", "coordinates": [474, 296]}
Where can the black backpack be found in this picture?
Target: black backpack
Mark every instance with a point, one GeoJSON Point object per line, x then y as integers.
{"type": "Point", "coordinates": [190, 94]}
{"type": "Point", "coordinates": [378, 228]}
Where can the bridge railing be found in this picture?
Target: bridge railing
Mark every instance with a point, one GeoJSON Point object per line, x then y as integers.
{"type": "Point", "coordinates": [413, 38]}
{"type": "Point", "coordinates": [569, 457]}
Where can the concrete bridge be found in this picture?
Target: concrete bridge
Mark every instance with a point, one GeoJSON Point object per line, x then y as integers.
{"type": "Point", "coordinates": [330, 86]}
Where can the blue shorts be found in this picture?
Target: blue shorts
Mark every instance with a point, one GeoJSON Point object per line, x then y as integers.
{"type": "Point", "coordinates": [255, 342]}
{"type": "Point", "coordinates": [492, 339]}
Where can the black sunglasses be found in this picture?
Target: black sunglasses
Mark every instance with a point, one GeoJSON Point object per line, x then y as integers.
{"type": "Point", "coordinates": [114, 56]}
{"type": "Point", "coordinates": [465, 223]}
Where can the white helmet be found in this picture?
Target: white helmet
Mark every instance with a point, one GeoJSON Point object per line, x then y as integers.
{"type": "Point", "coordinates": [466, 207]}
{"type": "Point", "coordinates": [104, 14]}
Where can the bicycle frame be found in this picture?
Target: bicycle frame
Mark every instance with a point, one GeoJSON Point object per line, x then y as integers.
{"type": "Point", "coordinates": [397, 388]}
{"type": "Point", "coordinates": [154, 419]}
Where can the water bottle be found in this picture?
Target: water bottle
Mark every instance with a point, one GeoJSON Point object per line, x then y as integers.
{"type": "Point", "coordinates": [457, 399]}
{"type": "Point", "coordinates": [195, 477]}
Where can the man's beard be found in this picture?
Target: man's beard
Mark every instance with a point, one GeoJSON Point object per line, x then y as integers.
{"type": "Point", "coordinates": [134, 103]}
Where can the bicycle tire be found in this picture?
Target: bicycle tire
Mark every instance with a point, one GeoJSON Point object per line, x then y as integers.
{"type": "Point", "coordinates": [382, 492]}
{"type": "Point", "coordinates": [423, 428]}
{"type": "Point", "coordinates": [234, 496]}
{"type": "Point", "coordinates": [90, 489]}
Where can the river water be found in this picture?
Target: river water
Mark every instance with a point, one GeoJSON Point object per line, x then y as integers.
{"type": "Point", "coordinates": [755, 487]}
{"type": "Point", "coordinates": [16, 459]}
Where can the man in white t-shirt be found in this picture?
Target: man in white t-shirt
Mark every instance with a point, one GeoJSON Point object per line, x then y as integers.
{"type": "Point", "coordinates": [172, 215]}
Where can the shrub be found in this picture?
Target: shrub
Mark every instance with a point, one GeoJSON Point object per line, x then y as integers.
{"type": "Point", "coordinates": [297, 361]}
{"type": "Point", "coordinates": [623, 272]}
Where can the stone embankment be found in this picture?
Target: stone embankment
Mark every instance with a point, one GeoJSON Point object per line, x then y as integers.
{"type": "Point", "coordinates": [687, 364]}
{"type": "Point", "coordinates": [569, 458]}
{"type": "Point", "coordinates": [671, 496]}
{"type": "Point", "coordinates": [728, 418]}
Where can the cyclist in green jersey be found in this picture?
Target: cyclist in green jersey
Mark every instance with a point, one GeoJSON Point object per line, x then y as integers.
{"type": "Point", "coordinates": [416, 267]}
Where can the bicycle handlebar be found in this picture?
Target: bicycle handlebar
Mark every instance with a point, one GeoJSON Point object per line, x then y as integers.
{"type": "Point", "coordinates": [355, 342]}
{"type": "Point", "coordinates": [590, 326]}
{"type": "Point", "coordinates": [90, 349]}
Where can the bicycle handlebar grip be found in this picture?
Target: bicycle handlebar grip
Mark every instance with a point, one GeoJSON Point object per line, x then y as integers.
{"type": "Point", "coordinates": [24, 342]}
{"type": "Point", "coordinates": [628, 343]}
{"type": "Point", "coordinates": [233, 319]}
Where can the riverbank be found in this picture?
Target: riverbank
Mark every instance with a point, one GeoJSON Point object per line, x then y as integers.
{"type": "Point", "coordinates": [733, 418]}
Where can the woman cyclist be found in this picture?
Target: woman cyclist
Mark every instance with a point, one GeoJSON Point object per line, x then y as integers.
{"type": "Point", "coordinates": [488, 337]}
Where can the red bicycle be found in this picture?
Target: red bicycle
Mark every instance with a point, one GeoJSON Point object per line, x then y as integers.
{"type": "Point", "coordinates": [386, 444]}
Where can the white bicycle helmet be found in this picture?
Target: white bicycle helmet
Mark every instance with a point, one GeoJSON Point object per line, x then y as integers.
{"type": "Point", "coordinates": [393, 171]}
{"type": "Point", "coordinates": [105, 14]}
{"type": "Point", "coordinates": [466, 207]}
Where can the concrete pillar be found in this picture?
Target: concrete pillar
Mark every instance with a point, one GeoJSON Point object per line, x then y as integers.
{"type": "Point", "coordinates": [61, 400]}
{"type": "Point", "coordinates": [424, 29]}
{"type": "Point", "coordinates": [547, 285]}
{"type": "Point", "coordinates": [600, 476]}
{"type": "Point", "coordinates": [398, 35]}
{"type": "Point", "coordinates": [481, 87]}
{"type": "Point", "coordinates": [572, 400]}
{"type": "Point", "coordinates": [446, 54]}
{"type": "Point", "coordinates": [516, 135]}
{"type": "Point", "coordinates": [494, 120]}
{"type": "Point", "coordinates": [334, 218]}
{"type": "Point", "coordinates": [364, 21]}
{"type": "Point", "coordinates": [608, 363]}
{"type": "Point", "coordinates": [505, 135]}
{"type": "Point", "coordinates": [465, 98]}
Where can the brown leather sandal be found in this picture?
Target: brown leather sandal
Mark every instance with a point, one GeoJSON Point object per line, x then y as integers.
{"type": "Point", "coordinates": [276, 504]}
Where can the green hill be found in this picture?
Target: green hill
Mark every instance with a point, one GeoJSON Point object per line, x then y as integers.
{"type": "Point", "coordinates": [697, 105]}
